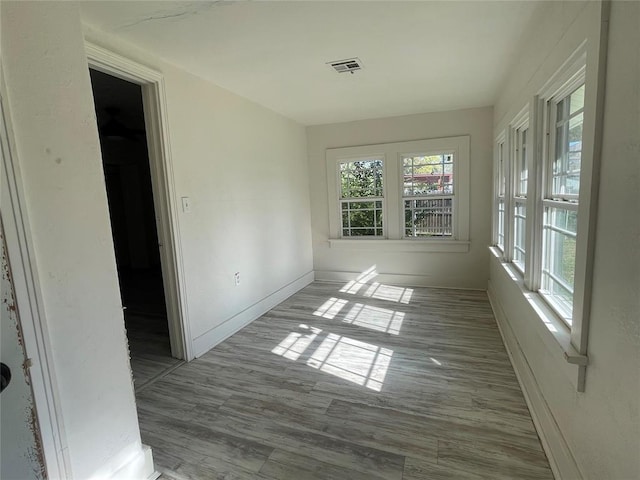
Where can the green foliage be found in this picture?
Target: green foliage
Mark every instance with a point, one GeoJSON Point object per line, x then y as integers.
{"type": "Point", "coordinates": [361, 179]}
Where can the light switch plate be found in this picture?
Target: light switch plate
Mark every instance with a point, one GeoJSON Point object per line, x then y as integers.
{"type": "Point", "coordinates": [186, 204]}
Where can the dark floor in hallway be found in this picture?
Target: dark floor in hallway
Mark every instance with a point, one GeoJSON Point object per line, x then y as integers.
{"type": "Point", "coordinates": [146, 323]}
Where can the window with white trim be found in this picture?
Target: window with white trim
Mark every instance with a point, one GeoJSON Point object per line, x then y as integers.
{"type": "Point", "coordinates": [541, 236]}
{"type": "Point", "coordinates": [500, 194]}
{"type": "Point", "coordinates": [428, 190]}
{"type": "Point", "coordinates": [561, 200]}
{"type": "Point", "coordinates": [520, 171]}
{"type": "Point", "coordinates": [415, 193]}
{"type": "Point", "coordinates": [563, 154]}
{"type": "Point", "coordinates": [361, 197]}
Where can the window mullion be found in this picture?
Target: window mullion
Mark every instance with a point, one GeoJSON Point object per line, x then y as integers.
{"type": "Point", "coordinates": [547, 113]}
{"type": "Point", "coordinates": [498, 237]}
{"type": "Point", "coordinates": [509, 191]}
{"type": "Point", "coordinates": [534, 164]}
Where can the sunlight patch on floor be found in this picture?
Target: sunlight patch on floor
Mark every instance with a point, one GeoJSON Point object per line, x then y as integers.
{"type": "Point", "coordinates": [389, 292]}
{"type": "Point", "coordinates": [354, 286]}
{"type": "Point", "coordinates": [375, 318]}
{"type": "Point", "coordinates": [296, 343]}
{"type": "Point", "coordinates": [330, 308]}
{"type": "Point", "coordinates": [358, 362]}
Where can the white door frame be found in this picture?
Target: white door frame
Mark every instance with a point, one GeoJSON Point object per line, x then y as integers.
{"type": "Point", "coordinates": [162, 182]}
{"type": "Point", "coordinates": [30, 303]}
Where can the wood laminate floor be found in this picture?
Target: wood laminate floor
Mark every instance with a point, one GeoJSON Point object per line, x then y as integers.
{"type": "Point", "coordinates": [356, 381]}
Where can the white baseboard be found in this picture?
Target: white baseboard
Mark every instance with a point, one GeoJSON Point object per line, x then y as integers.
{"type": "Point", "coordinates": [404, 280]}
{"type": "Point", "coordinates": [134, 462]}
{"type": "Point", "coordinates": [148, 461]}
{"type": "Point", "coordinates": [561, 460]}
{"type": "Point", "coordinates": [213, 337]}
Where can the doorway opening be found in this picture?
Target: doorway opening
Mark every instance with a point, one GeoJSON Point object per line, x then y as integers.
{"type": "Point", "coordinates": [132, 211]}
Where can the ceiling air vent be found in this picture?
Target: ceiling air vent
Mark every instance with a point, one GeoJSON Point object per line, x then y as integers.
{"type": "Point", "coordinates": [349, 65]}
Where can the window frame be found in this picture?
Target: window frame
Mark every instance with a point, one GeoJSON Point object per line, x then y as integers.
{"type": "Point", "coordinates": [521, 123]}
{"type": "Point", "coordinates": [500, 186]}
{"type": "Point", "coordinates": [381, 199]}
{"type": "Point", "coordinates": [573, 72]}
{"type": "Point", "coordinates": [391, 155]}
{"type": "Point", "coordinates": [547, 198]}
{"type": "Point", "coordinates": [404, 198]}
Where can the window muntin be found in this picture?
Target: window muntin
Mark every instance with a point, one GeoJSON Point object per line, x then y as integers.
{"type": "Point", "coordinates": [361, 198]}
{"type": "Point", "coordinates": [428, 187]}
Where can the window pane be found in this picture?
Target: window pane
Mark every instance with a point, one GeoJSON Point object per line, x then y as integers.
{"type": "Point", "coordinates": [428, 175]}
{"type": "Point", "coordinates": [361, 232]}
{"type": "Point", "coordinates": [361, 218]}
{"type": "Point", "coordinates": [522, 165]}
{"type": "Point", "coordinates": [362, 178]}
{"type": "Point", "coordinates": [501, 170]}
{"type": "Point", "coordinates": [568, 147]}
{"type": "Point", "coordinates": [519, 237]}
{"type": "Point", "coordinates": [577, 100]}
{"type": "Point", "coordinates": [559, 257]}
{"type": "Point", "coordinates": [429, 218]}
{"type": "Point", "coordinates": [501, 207]}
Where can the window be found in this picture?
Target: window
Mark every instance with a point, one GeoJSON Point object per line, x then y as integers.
{"type": "Point", "coordinates": [500, 194]}
{"type": "Point", "coordinates": [557, 179]}
{"type": "Point", "coordinates": [428, 195]}
{"type": "Point", "coordinates": [361, 197]}
{"type": "Point", "coordinates": [541, 235]}
{"type": "Point", "coordinates": [415, 194]}
{"type": "Point", "coordinates": [520, 170]}
{"type": "Point", "coordinates": [561, 200]}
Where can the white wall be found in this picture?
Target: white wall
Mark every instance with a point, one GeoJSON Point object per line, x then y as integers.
{"type": "Point", "coordinates": [59, 155]}
{"type": "Point", "coordinates": [600, 427]}
{"type": "Point", "coordinates": [462, 270]}
{"type": "Point", "coordinates": [244, 168]}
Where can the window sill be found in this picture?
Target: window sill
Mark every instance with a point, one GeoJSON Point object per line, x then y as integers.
{"type": "Point", "coordinates": [552, 329]}
{"type": "Point", "coordinates": [432, 246]}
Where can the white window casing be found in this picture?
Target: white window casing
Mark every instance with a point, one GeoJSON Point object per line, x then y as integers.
{"type": "Point", "coordinates": [520, 166]}
{"type": "Point", "coordinates": [361, 195]}
{"type": "Point", "coordinates": [564, 135]}
{"type": "Point", "coordinates": [454, 150]}
{"type": "Point", "coordinates": [501, 168]}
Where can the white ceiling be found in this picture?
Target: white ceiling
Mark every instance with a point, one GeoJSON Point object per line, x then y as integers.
{"type": "Point", "coordinates": [420, 56]}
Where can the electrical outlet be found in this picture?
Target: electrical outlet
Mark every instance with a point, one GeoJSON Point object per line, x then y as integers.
{"type": "Point", "coordinates": [236, 278]}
